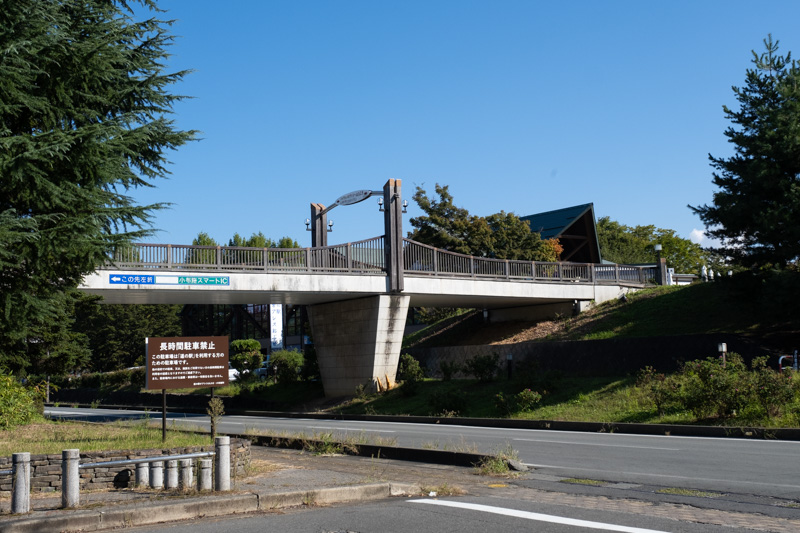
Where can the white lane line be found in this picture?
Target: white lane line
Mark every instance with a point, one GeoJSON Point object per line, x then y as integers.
{"type": "Point", "coordinates": [573, 443]}
{"type": "Point", "coordinates": [681, 478]}
{"type": "Point", "coordinates": [352, 429]}
{"type": "Point", "coordinates": [538, 516]}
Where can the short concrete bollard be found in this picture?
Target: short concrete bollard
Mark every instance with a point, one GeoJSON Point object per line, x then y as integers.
{"type": "Point", "coordinates": [187, 466]}
{"type": "Point", "coordinates": [204, 475]}
{"type": "Point", "coordinates": [70, 478]}
{"type": "Point", "coordinates": [142, 475]}
{"type": "Point", "coordinates": [222, 449]}
{"type": "Point", "coordinates": [157, 475]}
{"type": "Point", "coordinates": [21, 484]}
{"type": "Point", "coordinates": [172, 475]}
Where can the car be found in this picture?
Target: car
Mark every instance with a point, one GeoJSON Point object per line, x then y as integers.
{"type": "Point", "coordinates": [233, 374]}
{"type": "Point", "coordinates": [263, 371]}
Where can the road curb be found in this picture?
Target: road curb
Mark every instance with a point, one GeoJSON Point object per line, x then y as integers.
{"type": "Point", "coordinates": [143, 514]}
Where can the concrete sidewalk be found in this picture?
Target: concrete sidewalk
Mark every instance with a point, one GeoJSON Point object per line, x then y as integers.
{"type": "Point", "coordinates": [278, 478]}
{"type": "Point", "coordinates": [282, 478]}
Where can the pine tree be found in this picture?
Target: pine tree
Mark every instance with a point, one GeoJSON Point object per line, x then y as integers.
{"type": "Point", "coordinates": [84, 107]}
{"type": "Point", "coordinates": [756, 209]}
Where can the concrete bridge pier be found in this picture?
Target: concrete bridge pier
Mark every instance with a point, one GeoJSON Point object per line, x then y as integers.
{"type": "Point", "coordinates": [358, 341]}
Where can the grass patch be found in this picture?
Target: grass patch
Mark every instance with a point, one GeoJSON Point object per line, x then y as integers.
{"type": "Point", "coordinates": [688, 492]}
{"type": "Point", "coordinates": [583, 481]}
{"type": "Point", "coordinates": [53, 437]}
{"type": "Point", "coordinates": [496, 464]}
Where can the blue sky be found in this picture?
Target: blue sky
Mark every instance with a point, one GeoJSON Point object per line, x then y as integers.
{"type": "Point", "coordinates": [520, 106]}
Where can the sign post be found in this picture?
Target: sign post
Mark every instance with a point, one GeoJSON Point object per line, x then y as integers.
{"type": "Point", "coordinates": [184, 363]}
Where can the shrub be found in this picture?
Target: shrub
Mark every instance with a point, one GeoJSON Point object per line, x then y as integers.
{"type": "Point", "coordinates": [711, 389]}
{"type": "Point", "coordinates": [288, 363]}
{"type": "Point", "coordinates": [448, 369]}
{"type": "Point", "coordinates": [523, 401]}
{"type": "Point", "coordinates": [483, 367]}
{"type": "Point", "coordinates": [246, 357]}
{"type": "Point", "coordinates": [452, 402]}
{"type": "Point", "coordinates": [527, 400]}
{"type": "Point", "coordinates": [771, 390]}
{"type": "Point", "coordinates": [18, 404]}
{"type": "Point", "coordinates": [410, 373]}
{"type": "Point", "coordinates": [659, 388]}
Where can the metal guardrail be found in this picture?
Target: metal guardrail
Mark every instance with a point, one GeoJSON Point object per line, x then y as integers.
{"type": "Point", "coordinates": [152, 459]}
{"type": "Point", "coordinates": [368, 257]}
{"type": "Point", "coordinates": [421, 259]}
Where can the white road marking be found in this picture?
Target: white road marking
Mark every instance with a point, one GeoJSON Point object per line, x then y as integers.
{"type": "Point", "coordinates": [682, 478]}
{"type": "Point", "coordinates": [573, 443]}
{"type": "Point", "coordinates": [352, 429]}
{"type": "Point", "coordinates": [538, 516]}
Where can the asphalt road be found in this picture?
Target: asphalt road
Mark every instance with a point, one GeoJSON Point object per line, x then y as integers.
{"type": "Point", "coordinates": [426, 515]}
{"type": "Point", "coordinates": [752, 467]}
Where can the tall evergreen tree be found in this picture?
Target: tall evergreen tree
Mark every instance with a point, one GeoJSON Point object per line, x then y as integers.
{"type": "Point", "coordinates": [84, 107]}
{"type": "Point", "coordinates": [756, 209]}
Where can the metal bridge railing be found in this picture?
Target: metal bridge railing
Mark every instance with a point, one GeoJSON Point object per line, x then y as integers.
{"type": "Point", "coordinates": [368, 257]}
{"type": "Point", "coordinates": [424, 260]}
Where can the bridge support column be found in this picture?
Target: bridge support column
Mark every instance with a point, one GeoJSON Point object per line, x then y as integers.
{"type": "Point", "coordinates": [358, 341]}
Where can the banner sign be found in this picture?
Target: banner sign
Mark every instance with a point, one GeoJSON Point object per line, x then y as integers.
{"type": "Point", "coordinates": [187, 362]}
{"type": "Point", "coordinates": [276, 326]}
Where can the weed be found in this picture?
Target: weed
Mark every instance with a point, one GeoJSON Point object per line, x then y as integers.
{"type": "Point", "coordinates": [689, 492]}
{"type": "Point", "coordinates": [496, 464]}
{"type": "Point", "coordinates": [582, 481]}
{"type": "Point", "coordinates": [442, 490]}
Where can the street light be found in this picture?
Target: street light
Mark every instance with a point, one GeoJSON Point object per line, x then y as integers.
{"type": "Point", "coordinates": [722, 348]}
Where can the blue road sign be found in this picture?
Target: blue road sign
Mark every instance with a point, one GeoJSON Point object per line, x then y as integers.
{"type": "Point", "coordinates": [131, 279]}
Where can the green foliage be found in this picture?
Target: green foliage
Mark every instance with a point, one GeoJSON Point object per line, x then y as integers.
{"type": "Point", "coordinates": [522, 402]}
{"type": "Point", "coordinates": [410, 373]}
{"type": "Point", "coordinates": [116, 333]}
{"type": "Point", "coordinates": [483, 367]}
{"type": "Point", "coordinates": [501, 235]}
{"type": "Point", "coordinates": [661, 389]}
{"type": "Point", "coordinates": [18, 404]}
{"type": "Point", "coordinates": [448, 369]}
{"type": "Point", "coordinates": [84, 107]}
{"type": "Point", "coordinates": [246, 357]}
{"type": "Point", "coordinates": [452, 402]}
{"type": "Point", "coordinates": [773, 391]}
{"type": "Point", "coordinates": [635, 245]}
{"type": "Point", "coordinates": [409, 369]}
{"type": "Point", "coordinates": [757, 205]}
{"type": "Point", "coordinates": [710, 387]}
{"type": "Point", "coordinates": [289, 364]}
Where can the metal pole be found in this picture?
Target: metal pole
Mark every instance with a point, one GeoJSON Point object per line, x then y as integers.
{"type": "Point", "coordinates": [222, 447]}
{"type": "Point", "coordinates": [163, 415]}
{"type": "Point", "coordinates": [21, 484]}
{"type": "Point", "coordinates": [70, 478]}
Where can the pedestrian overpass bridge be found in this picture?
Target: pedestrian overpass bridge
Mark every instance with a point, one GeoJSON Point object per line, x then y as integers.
{"type": "Point", "coordinates": [358, 293]}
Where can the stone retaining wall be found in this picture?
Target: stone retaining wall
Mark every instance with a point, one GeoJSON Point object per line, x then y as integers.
{"type": "Point", "coordinates": [607, 357]}
{"type": "Point", "coordinates": [46, 469]}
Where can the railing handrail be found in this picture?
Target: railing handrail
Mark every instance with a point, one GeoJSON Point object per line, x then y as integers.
{"type": "Point", "coordinates": [365, 257]}
{"type": "Point", "coordinates": [152, 459]}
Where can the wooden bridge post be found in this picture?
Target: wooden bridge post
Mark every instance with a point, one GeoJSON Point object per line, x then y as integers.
{"type": "Point", "coordinates": [393, 222]}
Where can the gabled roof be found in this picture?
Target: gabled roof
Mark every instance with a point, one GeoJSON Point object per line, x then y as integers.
{"type": "Point", "coordinates": [551, 224]}
{"type": "Point", "coordinates": [574, 227]}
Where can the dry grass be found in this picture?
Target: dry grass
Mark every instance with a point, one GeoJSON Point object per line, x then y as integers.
{"type": "Point", "coordinates": [52, 437]}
